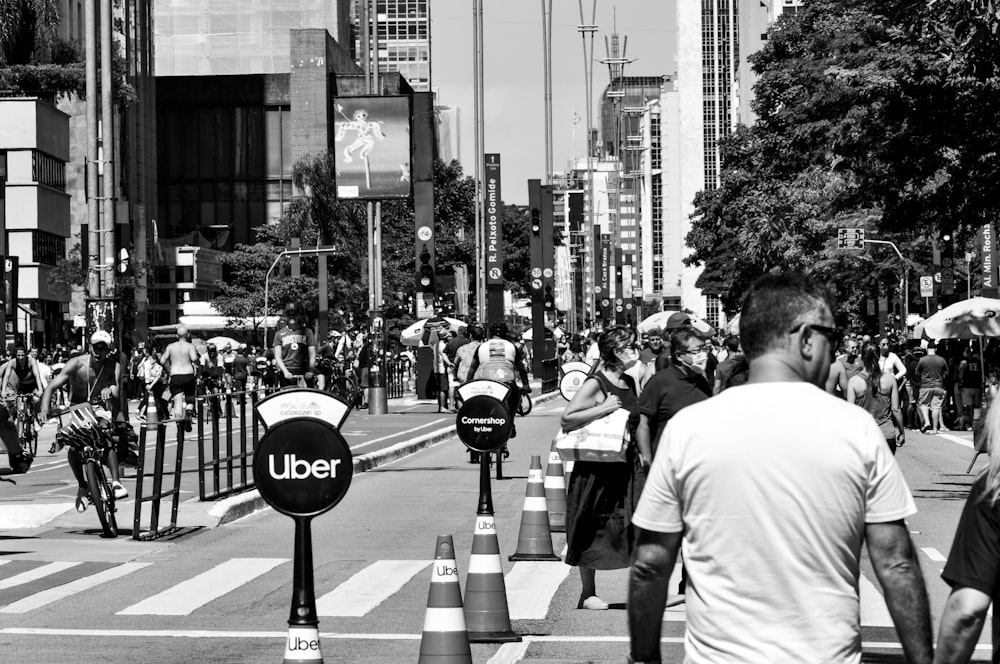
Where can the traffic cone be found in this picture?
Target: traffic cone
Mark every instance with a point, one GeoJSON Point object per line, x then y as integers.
{"type": "Point", "coordinates": [555, 491]}
{"type": "Point", "coordinates": [445, 639]}
{"type": "Point", "coordinates": [151, 413]}
{"type": "Point", "coordinates": [302, 645]}
{"type": "Point", "coordinates": [534, 540]}
{"type": "Point", "coordinates": [486, 614]}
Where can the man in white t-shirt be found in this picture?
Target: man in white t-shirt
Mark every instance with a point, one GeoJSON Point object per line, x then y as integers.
{"type": "Point", "coordinates": [771, 488]}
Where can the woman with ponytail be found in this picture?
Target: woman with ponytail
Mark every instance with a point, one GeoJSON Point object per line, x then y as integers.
{"type": "Point", "coordinates": [878, 393]}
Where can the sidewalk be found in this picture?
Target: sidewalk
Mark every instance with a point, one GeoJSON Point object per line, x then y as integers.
{"type": "Point", "coordinates": [195, 513]}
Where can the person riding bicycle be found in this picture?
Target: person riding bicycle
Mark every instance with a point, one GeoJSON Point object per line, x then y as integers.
{"type": "Point", "coordinates": [92, 376]}
{"type": "Point", "coordinates": [331, 353]}
{"type": "Point", "coordinates": [25, 369]}
{"type": "Point", "coordinates": [294, 350]}
{"type": "Point", "coordinates": [212, 378]}
{"type": "Point", "coordinates": [500, 360]}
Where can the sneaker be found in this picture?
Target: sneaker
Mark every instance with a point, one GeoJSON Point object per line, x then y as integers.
{"type": "Point", "coordinates": [593, 603]}
{"type": "Point", "coordinates": [119, 491]}
{"type": "Point", "coordinates": [82, 499]}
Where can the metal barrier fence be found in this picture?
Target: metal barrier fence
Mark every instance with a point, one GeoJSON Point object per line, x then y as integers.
{"type": "Point", "coordinates": [157, 494]}
{"type": "Point", "coordinates": [397, 379]}
{"type": "Point", "coordinates": [550, 375]}
{"type": "Point", "coordinates": [228, 432]}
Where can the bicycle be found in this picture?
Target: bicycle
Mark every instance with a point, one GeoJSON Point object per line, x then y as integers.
{"type": "Point", "coordinates": [24, 421]}
{"type": "Point", "coordinates": [90, 436]}
{"type": "Point", "coordinates": [345, 385]}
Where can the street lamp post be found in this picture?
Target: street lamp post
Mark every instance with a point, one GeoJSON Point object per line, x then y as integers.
{"type": "Point", "coordinates": [288, 252]}
{"type": "Point", "coordinates": [904, 283]}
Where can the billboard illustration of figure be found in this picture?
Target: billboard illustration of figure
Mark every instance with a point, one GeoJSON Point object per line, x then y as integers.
{"type": "Point", "coordinates": [375, 162]}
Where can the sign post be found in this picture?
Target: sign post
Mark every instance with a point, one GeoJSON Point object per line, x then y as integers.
{"type": "Point", "coordinates": [303, 468]}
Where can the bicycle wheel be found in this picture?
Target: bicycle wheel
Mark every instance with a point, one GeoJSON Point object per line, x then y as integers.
{"type": "Point", "coordinates": [28, 436]}
{"type": "Point", "coordinates": [524, 405]}
{"type": "Point", "coordinates": [102, 497]}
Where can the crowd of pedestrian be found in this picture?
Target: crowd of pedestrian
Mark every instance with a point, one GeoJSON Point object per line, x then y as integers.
{"type": "Point", "coordinates": [763, 463]}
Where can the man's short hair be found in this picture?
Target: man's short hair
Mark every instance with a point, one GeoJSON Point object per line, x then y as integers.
{"type": "Point", "coordinates": [679, 339]}
{"type": "Point", "coordinates": [732, 343]}
{"type": "Point", "coordinates": [775, 304]}
{"type": "Point", "coordinates": [654, 334]}
{"type": "Point", "coordinates": [499, 329]}
{"type": "Point", "coordinates": [476, 332]}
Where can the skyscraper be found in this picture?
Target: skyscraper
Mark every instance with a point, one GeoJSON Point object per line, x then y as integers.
{"type": "Point", "coordinates": [404, 38]}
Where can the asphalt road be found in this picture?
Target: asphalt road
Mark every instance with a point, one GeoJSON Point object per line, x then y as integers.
{"type": "Point", "coordinates": [223, 594]}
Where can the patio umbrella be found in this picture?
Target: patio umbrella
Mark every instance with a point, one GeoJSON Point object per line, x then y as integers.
{"type": "Point", "coordinates": [419, 333]}
{"type": "Point", "coordinates": [671, 320]}
{"type": "Point", "coordinates": [529, 334]}
{"type": "Point", "coordinates": [221, 341]}
{"type": "Point", "coordinates": [974, 318]}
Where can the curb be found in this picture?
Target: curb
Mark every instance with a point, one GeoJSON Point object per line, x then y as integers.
{"type": "Point", "coordinates": [245, 504]}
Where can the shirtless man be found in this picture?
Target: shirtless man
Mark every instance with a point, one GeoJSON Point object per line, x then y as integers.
{"type": "Point", "coordinates": [92, 376]}
{"type": "Point", "coordinates": [180, 359]}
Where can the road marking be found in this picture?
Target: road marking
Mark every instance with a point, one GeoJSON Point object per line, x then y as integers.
{"type": "Point", "coordinates": [35, 574]}
{"type": "Point", "coordinates": [934, 554]}
{"type": "Point", "coordinates": [510, 653]}
{"type": "Point", "coordinates": [340, 636]}
{"type": "Point", "coordinates": [531, 587]}
{"type": "Point", "coordinates": [40, 599]}
{"type": "Point", "coordinates": [955, 439]}
{"type": "Point", "coordinates": [185, 597]}
{"type": "Point", "coordinates": [379, 440]}
{"type": "Point", "coordinates": [368, 588]}
{"type": "Point", "coordinates": [874, 612]}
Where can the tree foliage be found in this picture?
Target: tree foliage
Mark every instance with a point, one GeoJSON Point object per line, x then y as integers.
{"type": "Point", "coordinates": [866, 119]}
{"type": "Point", "coordinates": [318, 217]}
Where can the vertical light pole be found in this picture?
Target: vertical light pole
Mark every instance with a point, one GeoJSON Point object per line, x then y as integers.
{"type": "Point", "coordinates": [108, 143]}
{"type": "Point", "coordinates": [547, 93]}
{"type": "Point", "coordinates": [93, 195]}
{"type": "Point", "coordinates": [477, 115]}
{"type": "Point", "coordinates": [587, 30]}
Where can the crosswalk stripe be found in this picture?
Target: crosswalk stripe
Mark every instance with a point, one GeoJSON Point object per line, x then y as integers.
{"type": "Point", "coordinates": [934, 554]}
{"type": "Point", "coordinates": [185, 597]}
{"type": "Point", "coordinates": [45, 597]}
{"type": "Point", "coordinates": [531, 587]}
{"type": "Point", "coordinates": [35, 574]}
{"type": "Point", "coordinates": [368, 588]}
{"type": "Point", "coordinates": [874, 612]}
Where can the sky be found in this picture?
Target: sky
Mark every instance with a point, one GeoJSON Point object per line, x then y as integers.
{"type": "Point", "coordinates": [513, 59]}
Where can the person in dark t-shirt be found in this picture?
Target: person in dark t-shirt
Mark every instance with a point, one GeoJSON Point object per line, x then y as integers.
{"type": "Point", "coordinates": [933, 371]}
{"type": "Point", "coordinates": [973, 572]}
{"type": "Point", "coordinates": [294, 349]}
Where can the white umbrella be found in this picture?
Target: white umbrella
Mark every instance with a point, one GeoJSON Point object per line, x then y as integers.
{"type": "Point", "coordinates": [220, 342]}
{"type": "Point", "coordinates": [413, 335]}
{"type": "Point", "coordinates": [529, 334]}
{"type": "Point", "coordinates": [669, 320]}
{"type": "Point", "coordinates": [969, 319]}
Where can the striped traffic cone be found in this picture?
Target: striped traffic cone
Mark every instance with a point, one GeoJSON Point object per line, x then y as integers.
{"type": "Point", "coordinates": [534, 540]}
{"type": "Point", "coordinates": [302, 645]}
{"type": "Point", "coordinates": [444, 639]}
{"type": "Point", "coordinates": [486, 614]}
{"type": "Point", "coordinates": [555, 491]}
{"type": "Point", "coordinates": [151, 414]}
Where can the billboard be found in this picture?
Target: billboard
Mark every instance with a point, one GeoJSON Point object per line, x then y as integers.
{"type": "Point", "coordinates": [372, 147]}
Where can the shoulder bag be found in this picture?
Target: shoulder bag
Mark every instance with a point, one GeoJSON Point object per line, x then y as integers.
{"type": "Point", "coordinates": [604, 440]}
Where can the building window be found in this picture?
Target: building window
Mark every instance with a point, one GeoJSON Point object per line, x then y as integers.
{"type": "Point", "coordinates": [48, 170]}
{"type": "Point", "coordinates": [47, 248]}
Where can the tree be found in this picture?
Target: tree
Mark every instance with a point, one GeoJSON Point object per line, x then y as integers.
{"type": "Point", "coordinates": [319, 217]}
{"type": "Point", "coordinates": [861, 121]}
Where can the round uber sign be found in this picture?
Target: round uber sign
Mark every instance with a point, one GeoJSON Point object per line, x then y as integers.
{"type": "Point", "coordinates": [302, 467]}
{"type": "Point", "coordinates": [570, 383]}
{"type": "Point", "coordinates": [483, 423]}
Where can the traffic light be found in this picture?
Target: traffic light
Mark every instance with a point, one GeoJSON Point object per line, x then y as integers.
{"type": "Point", "coordinates": [536, 222]}
{"type": "Point", "coordinates": [549, 299]}
{"type": "Point", "coordinates": [124, 264]}
{"type": "Point", "coordinates": [425, 274]}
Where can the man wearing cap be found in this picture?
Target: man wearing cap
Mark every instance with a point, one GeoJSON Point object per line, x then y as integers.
{"type": "Point", "coordinates": [95, 375]}
{"type": "Point", "coordinates": [294, 350]}
{"type": "Point", "coordinates": [327, 358]}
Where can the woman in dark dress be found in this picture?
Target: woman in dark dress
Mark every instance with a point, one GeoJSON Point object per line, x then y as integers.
{"type": "Point", "coordinates": [602, 496]}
